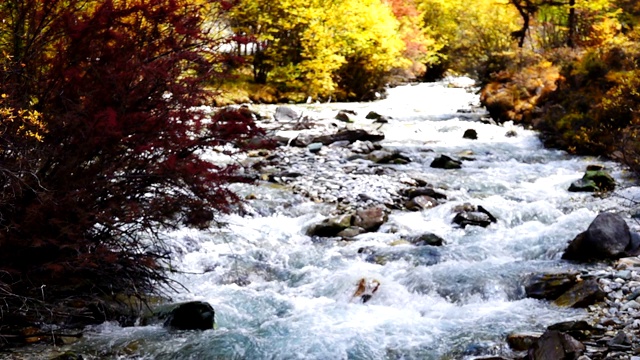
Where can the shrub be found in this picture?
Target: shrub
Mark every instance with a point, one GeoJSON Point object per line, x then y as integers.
{"type": "Point", "coordinates": [101, 144]}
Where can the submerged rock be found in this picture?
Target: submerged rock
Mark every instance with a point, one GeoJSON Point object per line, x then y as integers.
{"type": "Point", "coordinates": [366, 289]}
{"type": "Point", "coordinates": [351, 232]}
{"type": "Point", "coordinates": [69, 355]}
{"type": "Point", "coordinates": [417, 255]}
{"type": "Point", "coordinates": [421, 202]}
{"type": "Point", "coordinates": [426, 191]}
{"type": "Point", "coordinates": [192, 315]}
{"type": "Point", "coordinates": [426, 239]}
{"type": "Point", "coordinates": [446, 162]}
{"type": "Point", "coordinates": [349, 135]}
{"type": "Point", "coordinates": [364, 147]}
{"type": "Point", "coordinates": [468, 214]}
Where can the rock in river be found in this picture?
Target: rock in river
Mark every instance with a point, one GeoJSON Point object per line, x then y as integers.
{"type": "Point", "coordinates": [192, 315]}
{"type": "Point", "coordinates": [607, 237]}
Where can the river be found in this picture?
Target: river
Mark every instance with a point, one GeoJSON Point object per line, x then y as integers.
{"type": "Point", "coordinates": [279, 294]}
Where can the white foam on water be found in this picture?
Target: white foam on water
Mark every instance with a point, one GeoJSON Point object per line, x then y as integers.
{"type": "Point", "coordinates": [280, 294]}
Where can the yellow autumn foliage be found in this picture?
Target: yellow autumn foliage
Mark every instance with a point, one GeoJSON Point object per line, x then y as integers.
{"type": "Point", "coordinates": [469, 32]}
{"type": "Point", "coordinates": [304, 44]}
{"type": "Point", "coordinates": [20, 122]}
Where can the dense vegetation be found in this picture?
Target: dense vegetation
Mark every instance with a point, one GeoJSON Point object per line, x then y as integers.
{"type": "Point", "coordinates": [101, 136]}
{"type": "Point", "coordinates": [575, 77]}
{"type": "Point", "coordinates": [100, 148]}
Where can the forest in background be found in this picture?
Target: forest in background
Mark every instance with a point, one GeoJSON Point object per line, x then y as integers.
{"type": "Point", "coordinates": [101, 133]}
{"type": "Point", "coordinates": [568, 68]}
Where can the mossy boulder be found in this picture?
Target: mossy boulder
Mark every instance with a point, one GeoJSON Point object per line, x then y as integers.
{"type": "Point", "coordinates": [594, 180]}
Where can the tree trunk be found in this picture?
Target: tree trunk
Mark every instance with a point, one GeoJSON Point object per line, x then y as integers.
{"type": "Point", "coordinates": [572, 23]}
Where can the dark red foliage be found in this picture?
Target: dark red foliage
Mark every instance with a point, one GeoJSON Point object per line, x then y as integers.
{"type": "Point", "coordinates": [119, 88]}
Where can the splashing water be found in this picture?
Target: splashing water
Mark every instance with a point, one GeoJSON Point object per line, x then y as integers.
{"type": "Point", "coordinates": [278, 294]}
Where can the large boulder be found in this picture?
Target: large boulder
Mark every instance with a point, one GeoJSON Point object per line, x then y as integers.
{"type": "Point", "coordinates": [554, 344]}
{"type": "Point", "coordinates": [607, 237]}
{"type": "Point", "coordinates": [381, 119]}
{"type": "Point", "coordinates": [345, 116]}
{"type": "Point", "coordinates": [583, 185]}
{"type": "Point", "coordinates": [578, 329]}
{"type": "Point", "coordinates": [372, 115]}
{"type": "Point", "coordinates": [522, 341]}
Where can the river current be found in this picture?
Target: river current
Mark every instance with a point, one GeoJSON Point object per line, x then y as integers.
{"type": "Point", "coordinates": [279, 294]}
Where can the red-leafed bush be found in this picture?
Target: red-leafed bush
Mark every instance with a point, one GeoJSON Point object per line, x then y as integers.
{"type": "Point", "coordinates": [100, 142]}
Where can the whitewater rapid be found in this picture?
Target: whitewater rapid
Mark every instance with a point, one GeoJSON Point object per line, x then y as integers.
{"type": "Point", "coordinates": [280, 294]}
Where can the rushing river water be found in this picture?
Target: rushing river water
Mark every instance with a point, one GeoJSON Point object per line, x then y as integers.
{"type": "Point", "coordinates": [278, 294]}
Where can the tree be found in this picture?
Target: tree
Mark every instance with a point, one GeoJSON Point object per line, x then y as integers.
{"type": "Point", "coordinates": [323, 48]}
{"type": "Point", "coordinates": [101, 143]}
{"type": "Point", "coordinates": [578, 22]}
{"type": "Point", "coordinates": [420, 49]}
{"type": "Point", "coordinates": [469, 34]}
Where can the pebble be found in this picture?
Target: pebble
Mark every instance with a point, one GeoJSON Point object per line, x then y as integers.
{"type": "Point", "coordinates": [619, 312]}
